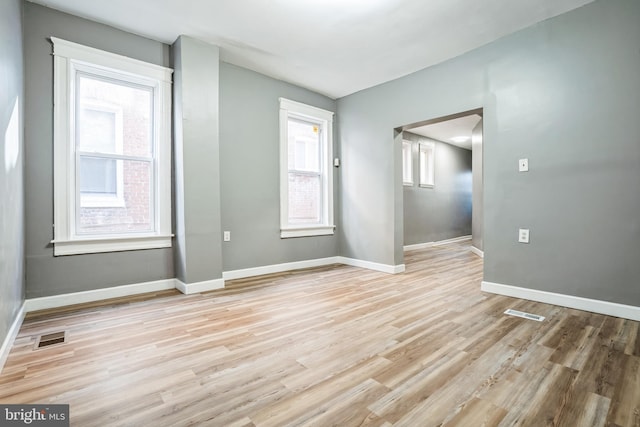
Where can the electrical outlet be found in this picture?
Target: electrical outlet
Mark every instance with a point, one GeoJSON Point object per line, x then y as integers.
{"type": "Point", "coordinates": [227, 236]}
{"type": "Point", "coordinates": [523, 235]}
{"type": "Point", "coordinates": [523, 165]}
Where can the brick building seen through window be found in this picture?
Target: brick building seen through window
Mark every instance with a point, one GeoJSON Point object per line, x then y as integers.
{"type": "Point", "coordinates": [115, 194]}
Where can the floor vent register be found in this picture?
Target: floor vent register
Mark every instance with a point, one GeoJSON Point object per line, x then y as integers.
{"type": "Point", "coordinates": [512, 312]}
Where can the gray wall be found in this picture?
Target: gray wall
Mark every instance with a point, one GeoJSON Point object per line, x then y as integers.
{"type": "Point", "coordinates": [250, 183]}
{"type": "Point", "coordinates": [444, 211]}
{"type": "Point", "coordinates": [477, 219]}
{"type": "Point", "coordinates": [11, 165]}
{"type": "Point", "coordinates": [564, 94]}
{"type": "Point", "coordinates": [198, 252]}
{"type": "Point", "coordinates": [46, 274]}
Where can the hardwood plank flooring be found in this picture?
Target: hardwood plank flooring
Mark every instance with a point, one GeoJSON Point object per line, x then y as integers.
{"type": "Point", "coordinates": [333, 346]}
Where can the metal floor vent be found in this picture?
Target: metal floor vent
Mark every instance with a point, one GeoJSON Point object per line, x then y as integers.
{"type": "Point", "coordinates": [522, 314]}
{"type": "Point", "coordinates": [50, 339]}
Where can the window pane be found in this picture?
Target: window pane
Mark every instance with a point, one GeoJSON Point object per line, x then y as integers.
{"type": "Point", "coordinates": [426, 165]}
{"type": "Point", "coordinates": [304, 199]}
{"type": "Point", "coordinates": [98, 176]}
{"type": "Point", "coordinates": [97, 130]}
{"type": "Point", "coordinates": [113, 117]}
{"type": "Point", "coordinates": [128, 209]}
{"type": "Point", "coordinates": [407, 163]}
{"type": "Point", "coordinates": [304, 146]}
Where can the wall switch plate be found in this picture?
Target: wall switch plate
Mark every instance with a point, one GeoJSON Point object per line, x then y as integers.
{"type": "Point", "coordinates": [523, 165]}
{"type": "Point", "coordinates": [336, 162]}
{"type": "Point", "coordinates": [523, 235]}
{"type": "Point", "coordinates": [227, 236]}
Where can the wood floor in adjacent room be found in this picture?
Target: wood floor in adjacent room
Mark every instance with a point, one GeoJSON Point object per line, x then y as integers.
{"type": "Point", "coordinates": [333, 346]}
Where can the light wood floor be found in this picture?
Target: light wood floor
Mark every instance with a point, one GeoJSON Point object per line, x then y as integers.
{"type": "Point", "coordinates": [333, 346]}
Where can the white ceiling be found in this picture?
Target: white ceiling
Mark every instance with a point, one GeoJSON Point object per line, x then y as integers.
{"type": "Point", "coordinates": [444, 131]}
{"type": "Point", "coordinates": [334, 47]}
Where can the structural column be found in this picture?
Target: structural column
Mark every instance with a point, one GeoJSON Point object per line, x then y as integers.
{"type": "Point", "coordinates": [198, 251]}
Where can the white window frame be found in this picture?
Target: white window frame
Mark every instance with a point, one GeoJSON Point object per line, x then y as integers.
{"type": "Point", "coordinates": [69, 58]}
{"type": "Point", "coordinates": [324, 118]}
{"type": "Point", "coordinates": [427, 164]}
{"type": "Point", "coordinates": [97, 201]}
{"type": "Point", "coordinates": [407, 166]}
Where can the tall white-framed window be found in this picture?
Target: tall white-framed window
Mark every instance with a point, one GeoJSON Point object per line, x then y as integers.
{"type": "Point", "coordinates": [112, 152]}
{"type": "Point", "coordinates": [306, 177]}
{"type": "Point", "coordinates": [427, 164]}
{"type": "Point", "coordinates": [407, 163]}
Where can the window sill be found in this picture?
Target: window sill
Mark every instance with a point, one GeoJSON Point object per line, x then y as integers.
{"type": "Point", "coordinates": [321, 230]}
{"type": "Point", "coordinates": [109, 244]}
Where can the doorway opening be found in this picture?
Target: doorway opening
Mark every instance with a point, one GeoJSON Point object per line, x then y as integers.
{"type": "Point", "coordinates": [442, 181]}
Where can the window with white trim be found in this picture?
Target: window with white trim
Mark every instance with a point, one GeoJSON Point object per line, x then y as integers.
{"type": "Point", "coordinates": [306, 177]}
{"type": "Point", "coordinates": [407, 162]}
{"type": "Point", "coordinates": [427, 160]}
{"type": "Point", "coordinates": [112, 152]}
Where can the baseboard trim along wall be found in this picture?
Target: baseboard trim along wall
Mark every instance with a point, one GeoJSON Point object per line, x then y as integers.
{"type": "Point", "coordinates": [319, 262]}
{"type": "Point", "coordinates": [418, 246]}
{"type": "Point", "coordinates": [12, 333]}
{"type": "Point", "coordinates": [477, 251]}
{"type": "Point", "coordinates": [385, 268]}
{"type": "Point", "coordinates": [55, 301]}
{"type": "Point", "coordinates": [595, 306]}
{"type": "Point", "coordinates": [431, 244]}
{"type": "Point", "coordinates": [194, 288]}
{"type": "Point", "coordinates": [278, 268]}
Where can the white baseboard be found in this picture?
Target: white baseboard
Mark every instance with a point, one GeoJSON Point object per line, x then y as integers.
{"type": "Point", "coordinates": [440, 242]}
{"type": "Point", "coordinates": [418, 246]}
{"type": "Point", "coordinates": [477, 251]}
{"type": "Point", "coordinates": [454, 240]}
{"type": "Point", "coordinates": [586, 304]}
{"type": "Point", "coordinates": [194, 288]}
{"type": "Point", "coordinates": [12, 333]}
{"type": "Point", "coordinates": [385, 268]}
{"type": "Point", "coordinates": [319, 262]}
{"type": "Point", "coordinates": [55, 301]}
{"type": "Point", "coordinates": [278, 268]}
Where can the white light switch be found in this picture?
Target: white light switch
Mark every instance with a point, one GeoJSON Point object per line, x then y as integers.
{"type": "Point", "coordinates": [227, 236]}
{"type": "Point", "coordinates": [523, 165]}
{"type": "Point", "coordinates": [523, 235]}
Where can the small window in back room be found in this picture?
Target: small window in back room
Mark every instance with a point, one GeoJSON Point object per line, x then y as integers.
{"type": "Point", "coordinates": [407, 163]}
{"type": "Point", "coordinates": [427, 160]}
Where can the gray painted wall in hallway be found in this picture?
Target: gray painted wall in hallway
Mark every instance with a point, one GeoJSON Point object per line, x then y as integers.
{"type": "Point", "coordinates": [249, 147]}
{"type": "Point", "coordinates": [563, 93]}
{"type": "Point", "coordinates": [444, 211]}
{"type": "Point", "coordinates": [46, 274]}
{"type": "Point", "coordinates": [11, 165]}
{"type": "Point", "coordinates": [477, 217]}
